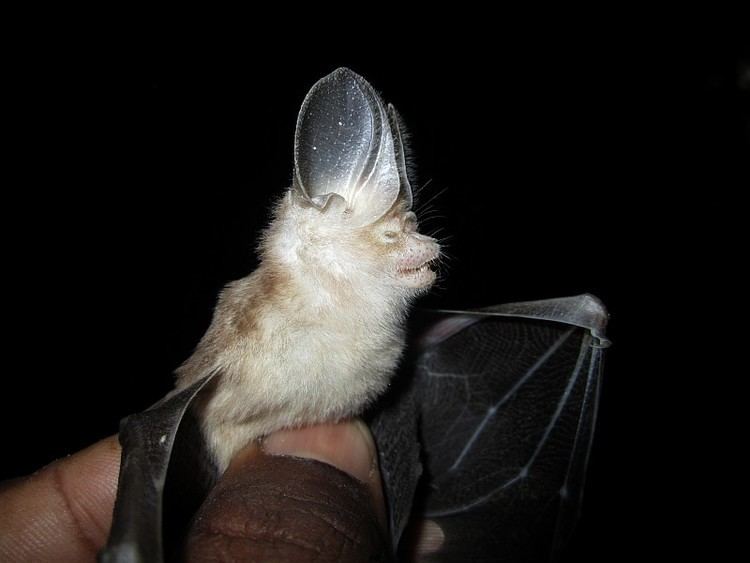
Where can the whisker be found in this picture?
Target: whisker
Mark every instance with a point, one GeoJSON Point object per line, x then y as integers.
{"type": "Point", "coordinates": [418, 191]}
{"type": "Point", "coordinates": [434, 196]}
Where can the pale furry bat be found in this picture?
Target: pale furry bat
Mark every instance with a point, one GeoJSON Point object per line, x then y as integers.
{"type": "Point", "coordinates": [315, 333]}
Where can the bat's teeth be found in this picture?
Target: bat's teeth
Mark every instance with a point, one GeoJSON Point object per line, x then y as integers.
{"type": "Point", "coordinates": [422, 268]}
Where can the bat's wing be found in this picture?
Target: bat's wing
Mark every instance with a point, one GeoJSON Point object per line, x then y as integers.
{"type": "Point", "coordinates": [165, 474]}
{"type": "Point", "coordinates": [503, 402]}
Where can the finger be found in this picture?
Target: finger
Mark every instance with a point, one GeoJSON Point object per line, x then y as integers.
{"type": "Point", "coordinates": [284, 507]}
{"type": "Point", "coordinates": [421, 539]}
{"type": "Point", "coordinates": [348, 446]}
{"type": "Point", "coordinates": [64, 511]}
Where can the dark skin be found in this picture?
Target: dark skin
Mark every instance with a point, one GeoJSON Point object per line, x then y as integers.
{"type": "Point", "coordinates": [276, 503]}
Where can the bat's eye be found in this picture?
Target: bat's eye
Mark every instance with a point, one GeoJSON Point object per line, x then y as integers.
{"type": "Point", "coordinates": [390, 236]}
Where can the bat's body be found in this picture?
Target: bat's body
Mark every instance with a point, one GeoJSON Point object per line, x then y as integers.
{"type": "Point", "coordinates": [315, 333]}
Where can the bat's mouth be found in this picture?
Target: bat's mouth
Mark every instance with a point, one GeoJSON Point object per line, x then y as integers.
{"type": "Point", "coordinates": [418, 276]}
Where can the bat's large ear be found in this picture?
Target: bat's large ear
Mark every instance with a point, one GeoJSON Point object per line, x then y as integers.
{"type": "Point", "coordinates": [344, 145]}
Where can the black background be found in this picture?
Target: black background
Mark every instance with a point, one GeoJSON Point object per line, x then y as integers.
{"type": "Point", "coordinates": [561, 163]}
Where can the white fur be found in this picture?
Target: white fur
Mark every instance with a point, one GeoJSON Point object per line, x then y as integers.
{"type": "Point", "coordinates": [315, 333]}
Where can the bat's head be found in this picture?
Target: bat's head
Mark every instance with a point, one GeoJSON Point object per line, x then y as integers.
{"type": "Point", "coordinates": [351, 199]}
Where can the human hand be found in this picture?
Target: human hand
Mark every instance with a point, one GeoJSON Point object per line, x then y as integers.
{"type": "Point", "coordinates": [267, 506]}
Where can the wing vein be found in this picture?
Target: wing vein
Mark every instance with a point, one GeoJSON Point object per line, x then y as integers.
{"type": "Point", "coordinates": [494, 408]}
{"type": "Point", "coordinates": [523, 472]}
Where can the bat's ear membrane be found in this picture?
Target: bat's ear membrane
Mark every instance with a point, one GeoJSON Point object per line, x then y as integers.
{"type": "Point", "coordinates": [344, 146]}
{"type": "Point", "coordinates": [405, 193]}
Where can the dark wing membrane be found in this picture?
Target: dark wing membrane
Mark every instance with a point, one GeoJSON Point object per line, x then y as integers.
{"type": "Point", "coordinates": [157, 459]}
{"type": "Point", "coordinates": [507, 406]}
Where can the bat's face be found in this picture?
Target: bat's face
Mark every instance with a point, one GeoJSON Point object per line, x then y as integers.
{"type": "Point", "coordinates": [389, 255]}
{"type": "Point", "coordinates": [409, 255]}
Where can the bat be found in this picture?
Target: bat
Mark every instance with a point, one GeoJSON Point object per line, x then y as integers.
{"type": "Point", "coordinates": [486, 426]}
{"type": "Point", "coordinates": [315, 333]}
